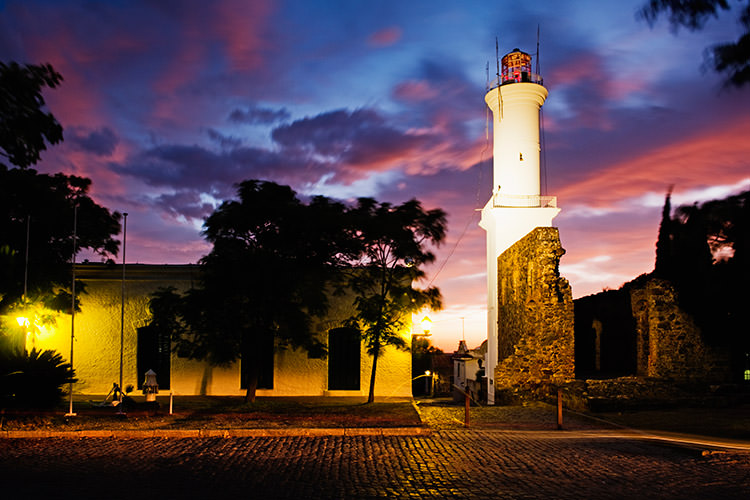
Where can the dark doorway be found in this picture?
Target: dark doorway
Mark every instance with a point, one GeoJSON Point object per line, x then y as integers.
{"type": "Point", "coordinates": [264, 357]}
{"type": "Point", "coordinates": [154, 353]}
{"type": "Point", "coordinates": [344, 355]}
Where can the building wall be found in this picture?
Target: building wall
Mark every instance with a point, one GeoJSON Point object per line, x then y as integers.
{"type": "Point", "coordinates": [96, 357]}
{"type": "Point", "coordinates": [535, 313]}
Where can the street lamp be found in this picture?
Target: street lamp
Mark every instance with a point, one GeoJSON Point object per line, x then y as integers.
{"type": "Point", "coordinates": [426, 325]}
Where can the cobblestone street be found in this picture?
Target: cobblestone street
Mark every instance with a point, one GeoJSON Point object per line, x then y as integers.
{"type": "Point", "coordinates": [448, 464]}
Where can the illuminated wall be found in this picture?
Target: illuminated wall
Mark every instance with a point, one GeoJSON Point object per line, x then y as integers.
{"type": "Point", "coordinates": [96, 356]}
{"type": "Point", "coordinates": [535, 313]}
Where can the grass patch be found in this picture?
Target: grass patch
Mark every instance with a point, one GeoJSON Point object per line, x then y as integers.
{"type": "Point", "coordinates": [217, 412]}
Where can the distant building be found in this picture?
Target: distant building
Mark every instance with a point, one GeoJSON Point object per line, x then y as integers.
{"type": "Point", "coordinates": [98, 327]}
{"type": "Point", "coordinates": [468, 372]}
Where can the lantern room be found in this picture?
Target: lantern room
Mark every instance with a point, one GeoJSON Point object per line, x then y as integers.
{"type": "Point", "coordinates": [516, 68]}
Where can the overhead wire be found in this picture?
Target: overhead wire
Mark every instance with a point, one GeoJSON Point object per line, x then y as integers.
{"type": "Point", "coordinates": [476, 205]}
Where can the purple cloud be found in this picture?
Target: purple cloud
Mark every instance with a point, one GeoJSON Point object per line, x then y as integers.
{"type": "Point", "coordinates": [101, 142]}
{"type": "Point", "coordinates": [253, 115]}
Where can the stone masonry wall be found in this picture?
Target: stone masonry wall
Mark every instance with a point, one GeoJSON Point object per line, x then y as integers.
{"type": "Point", "coordinates": [669, 344]}
{"type": "Point", "coordinates": [535, 313]}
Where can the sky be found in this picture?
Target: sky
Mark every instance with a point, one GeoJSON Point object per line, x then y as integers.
{"type": "Point", "coordinates": [166, 105]}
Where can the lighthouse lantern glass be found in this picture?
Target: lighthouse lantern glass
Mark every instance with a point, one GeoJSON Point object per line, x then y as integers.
{"type": "Point", "coordinates": [516, 67]}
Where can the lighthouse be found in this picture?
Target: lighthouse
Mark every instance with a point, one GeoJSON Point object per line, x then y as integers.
{"type": "Point", "coordinates": [516, 205]}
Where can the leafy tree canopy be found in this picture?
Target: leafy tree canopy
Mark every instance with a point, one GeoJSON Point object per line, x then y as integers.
{"type": "Point", "coordinates": [275, 263]}
{"type": "Point", "coordinates": [25, 126]}
{"type": "Point", "coordinates": [731, 58]}
{"type": "Point", "coordinates": [393, 245]}
{"type": "Point", "coordinates": [705, 253]}
{"type": "Point", "coordinates": [267, 275]}
{"type": "Point", "coordinates": [40, 207]}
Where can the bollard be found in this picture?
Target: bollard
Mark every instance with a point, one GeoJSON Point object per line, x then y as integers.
{"type": "Point", "coordinates": [150, 386]}
{"type": "Point", "coordinates": [171, 396]}
{"type": "Point", "coordinates": [467, 404]}
{"type": "Point", "coordinates": [559, 410]}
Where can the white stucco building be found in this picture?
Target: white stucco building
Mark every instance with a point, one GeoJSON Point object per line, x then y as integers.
{"type": "Point", "coordinates": [286, 372]}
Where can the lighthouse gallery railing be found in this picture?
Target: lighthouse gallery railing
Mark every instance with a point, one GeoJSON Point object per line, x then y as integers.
{"type": "Point", "coordinates": [524, 201]}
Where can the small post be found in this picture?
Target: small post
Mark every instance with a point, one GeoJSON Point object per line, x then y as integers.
{"type": "Point", "coordinates": [559, 410]}
{"type": "Point", "coordinates": [171, 394]}
{"type": "Point", "coordinates": [467, 404]}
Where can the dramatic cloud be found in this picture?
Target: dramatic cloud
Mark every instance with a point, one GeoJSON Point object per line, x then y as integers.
{"type": "Point", "coordinates": [226, 142]}
{"type": "Point", "coordinates": [100, 142]}
{"type": "Point", "coordinates": [253, 115]}
{"type": "Point", "coordinates": [354, 140]}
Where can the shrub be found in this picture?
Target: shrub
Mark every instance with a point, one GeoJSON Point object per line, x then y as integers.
{"type": "Point", "coordinates": [33, 379]}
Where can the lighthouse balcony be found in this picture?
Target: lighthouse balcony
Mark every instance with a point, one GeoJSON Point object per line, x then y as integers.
{"type": "Point", "coordinates": [516, 77]}
{"type": "Point", "coordinates": [523, 201]}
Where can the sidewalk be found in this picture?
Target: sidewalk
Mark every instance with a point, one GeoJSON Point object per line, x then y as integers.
{"type": "Point", "coordinates": [314, 417]}
{"type": "Point", "coordinates": [541, 417]}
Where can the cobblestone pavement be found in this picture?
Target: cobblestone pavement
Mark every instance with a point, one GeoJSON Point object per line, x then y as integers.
{"type": "Point", "coordinates": [449, 464]}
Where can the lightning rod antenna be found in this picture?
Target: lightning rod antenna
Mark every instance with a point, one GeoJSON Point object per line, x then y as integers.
{"type": "Point", "coordinates": [537, 52]}
{"type": "Point", "coordinates": [497, 61]}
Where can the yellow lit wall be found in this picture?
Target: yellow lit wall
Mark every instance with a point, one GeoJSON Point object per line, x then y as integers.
{"type": "Point", "coordinates": [97, 346]}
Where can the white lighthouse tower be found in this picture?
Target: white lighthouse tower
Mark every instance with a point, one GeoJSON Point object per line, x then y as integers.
{"type": "Point", "coordinates": [516, 206]}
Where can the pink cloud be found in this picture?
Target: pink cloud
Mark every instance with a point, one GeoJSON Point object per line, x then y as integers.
{"type": "Point", "coordinates": [242, 26]}
{"type": "Point", "coordinates": [415, 90]}
{"type": "Point", "coordinates": [385, 37]}
{"type": "Point", "coordinates": [711, 157]}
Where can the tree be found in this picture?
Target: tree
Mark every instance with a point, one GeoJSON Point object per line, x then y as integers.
{"type": "Point", "coordinates": [37, 210]}
{"type": "Point", "coordinates": [25, 126]}
{"type": "Point", "coordinates": [40, 207]}
{"type": "Point", "coordinates": [710, 268]}
{"type": "Point", "coordinates": [265, 278]}
{"type": "Point", "coordinates": [730, 58]}
{"type": "Point", "coordinates": [664, 262]}
{"type": "Point", "coordinates": [392, 248]}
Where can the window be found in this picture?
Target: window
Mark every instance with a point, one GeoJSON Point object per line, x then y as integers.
{"type": "Point", "coordinates": [344, 354]}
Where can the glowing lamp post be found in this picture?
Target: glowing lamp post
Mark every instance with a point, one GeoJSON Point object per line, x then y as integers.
{"type": "Point", "coordinates": [426, 326]}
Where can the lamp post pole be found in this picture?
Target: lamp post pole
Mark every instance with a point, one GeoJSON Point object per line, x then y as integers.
{"type": "Point", "coordinates": [122, 296]}
{"type": "Point", "coordinates": [72, 312]}
{"type": "Point", "coordinates": [26, 260]}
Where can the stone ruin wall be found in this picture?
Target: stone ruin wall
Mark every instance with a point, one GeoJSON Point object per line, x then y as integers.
{"type": "Point", "coordinates": [668, 343]}
{"type": "Point", "coordinates": [535, 313]}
